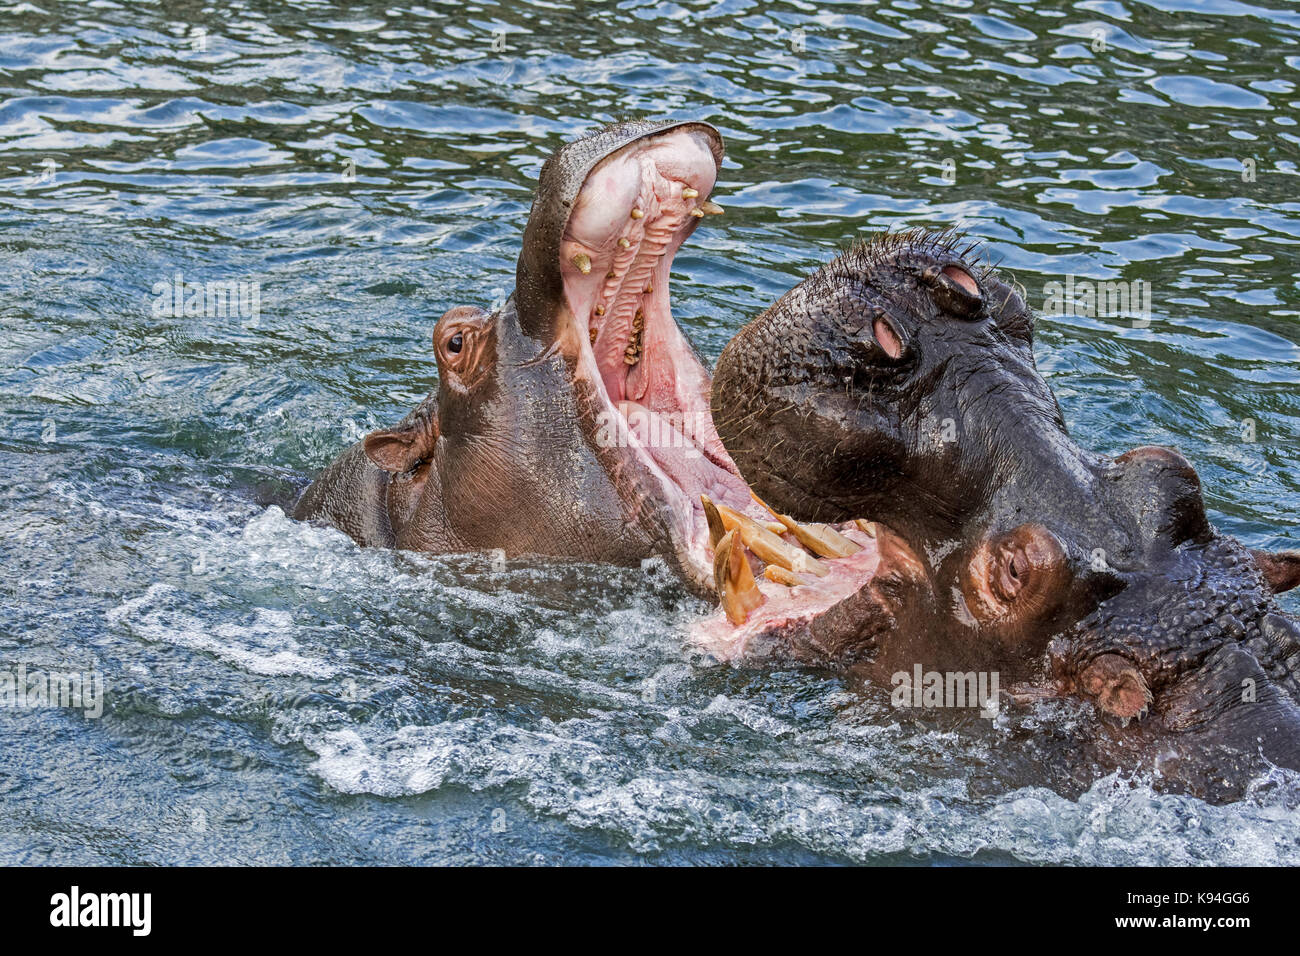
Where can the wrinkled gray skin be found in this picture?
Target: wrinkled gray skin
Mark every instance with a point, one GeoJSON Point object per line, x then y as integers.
{"type": "Point", "coordinates": [899, 384]}
{"type": "Point", "coordinates": [504, 454]}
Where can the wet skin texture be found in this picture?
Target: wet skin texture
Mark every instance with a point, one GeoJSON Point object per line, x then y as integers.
{"type": "Point", "coordinates": [899, 383]}
{"type": "Point", "coordinates": [508, 452]}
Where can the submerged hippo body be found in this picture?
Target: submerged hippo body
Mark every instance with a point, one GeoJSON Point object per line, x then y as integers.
{"type": "Point", "coordinates": [899, 383]}
{"type": "Point", "coordinates": [574, 422]}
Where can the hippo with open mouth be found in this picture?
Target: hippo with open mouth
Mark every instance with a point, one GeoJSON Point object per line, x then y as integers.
{"type": "Point", "coordinates": [573, 422]}
{"type": "Point", "coordinates": [898, 383]}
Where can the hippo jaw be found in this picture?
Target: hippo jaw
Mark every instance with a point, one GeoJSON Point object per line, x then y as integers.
{"type": "Point", "coordinates": [573, 421]}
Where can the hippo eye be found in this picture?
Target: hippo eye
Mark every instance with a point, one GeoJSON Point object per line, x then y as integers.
{"type": "Point", "coordinates": [1008, 585]}
{"type": "Point", "coordinates": [464, 343]}
{"type": "Point", "coordinates": [1016, 578]}
{"type": "Point", "coordinates": [456, 351]}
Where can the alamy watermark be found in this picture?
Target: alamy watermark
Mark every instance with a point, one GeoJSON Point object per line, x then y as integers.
{"type": "Point", "coordinates": [1099, 299]}
{"type": "Point", "coordinates": [75, 908]}
{"type": "Point", "coordinates": [952, 689]}
{"type": "Point", "coordinates": [653, 430]}
{"type": "Point", "coordinates": [22, 689]}
{"type": "Point", "coordinates": [233, 298]}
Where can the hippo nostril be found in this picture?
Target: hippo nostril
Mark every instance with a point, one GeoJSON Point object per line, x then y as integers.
{"type": "Point", "coordinates": [888, 337]}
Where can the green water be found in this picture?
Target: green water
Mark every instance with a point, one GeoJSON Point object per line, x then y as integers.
{"type": "Point", "coordinates": [274, 694]}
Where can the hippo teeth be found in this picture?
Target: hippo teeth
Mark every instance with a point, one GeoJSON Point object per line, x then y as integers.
{"type": "Point", "coordinates": [770, 547]}
{"type": "Point", "coordinates": [717, 530]}
{"type": "Point", "coordinates": [794, 603]}
{"type": "Point", "coordinates": [738, 592]}
{"type": "Point", "coordinates": [822, 540]}
{"type": "Point", "coordinates": [732, 533]}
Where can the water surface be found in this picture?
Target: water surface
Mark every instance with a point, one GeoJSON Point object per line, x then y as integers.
{"type": "Point", "coordinates": [277, 695]}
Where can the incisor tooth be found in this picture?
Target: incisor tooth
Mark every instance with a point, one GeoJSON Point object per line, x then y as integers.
{"type": "Point", "coordinates": [697, 212]}
{"type": "Point", "coordinates": [600, 310]}
{"type": "Point", "coordinates": [737, 590]}
{"type": "Point", "coordinates": [866, 527]}
{"type": "Point", "coordinates": [774, 572]}
{"type": "Point", "coordinates": [637, 213]}
{"type": "Point", "coordinates": [711, 208]}
{"type": "Point", "coordinates": [624, 241]}
{"type": "Point", "coordinates": [583, 262]}
{"type": "Point", "coordinates": [690, 193]}
{"type": "Point", "coordinates": [768, 546]}
{"type": "Point", "coordinates": [821, 539]}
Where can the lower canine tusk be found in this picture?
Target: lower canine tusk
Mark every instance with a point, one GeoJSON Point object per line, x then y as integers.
{"type": "Point", "coordinates": [737, 590]}
{"type": "Point", "coordinates": [768, 546]}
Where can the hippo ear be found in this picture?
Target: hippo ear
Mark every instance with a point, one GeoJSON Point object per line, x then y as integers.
{"type": "Point", "coordinates": [1007, 306]}
{"type": "Point", "coordinates": [1281, 570]}
{"type": "Point", "coordinates": [1117, 688]}
{"type": "Point", "coordinates": [399, 450]}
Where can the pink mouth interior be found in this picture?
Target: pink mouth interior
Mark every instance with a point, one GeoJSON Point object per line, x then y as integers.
{"type": "Point", "coordinates": [655, 390]}
{"type": "Point", "coordinates": [784, 624]}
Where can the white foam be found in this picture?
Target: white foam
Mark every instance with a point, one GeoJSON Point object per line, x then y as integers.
{"type": "Point", "coordinates": [265, 645]}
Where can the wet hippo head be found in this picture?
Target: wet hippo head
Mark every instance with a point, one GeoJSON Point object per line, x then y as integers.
{"type": "Point", "coordinates": [573, 421]}
{"type": "Point", "coordinates": [899, 384]}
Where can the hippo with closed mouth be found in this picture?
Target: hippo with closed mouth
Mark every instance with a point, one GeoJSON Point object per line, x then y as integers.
{"type": "Point", "coordinates": [574, 421]}
{"type": "Point", "coordinates": [898, 383]}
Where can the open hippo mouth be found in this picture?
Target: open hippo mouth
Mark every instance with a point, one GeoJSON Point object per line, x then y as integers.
{"type": "Point", "coordinates": [653, 423]}
{"type": "Point", "coordinates": [633, 212]}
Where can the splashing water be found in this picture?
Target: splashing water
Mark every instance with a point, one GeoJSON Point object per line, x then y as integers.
{"type": "Point", "coordinates": [343, 175]}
